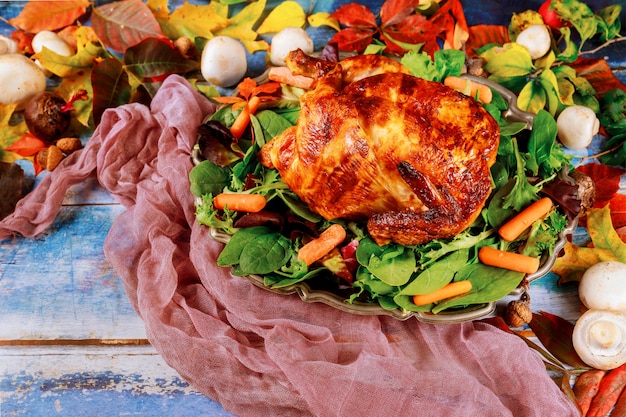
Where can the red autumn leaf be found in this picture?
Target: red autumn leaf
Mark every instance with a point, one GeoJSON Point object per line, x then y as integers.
{"type": "Point", "coordinates": [482, 35]}
{"type": "Point", "coordinates": [355, 15]}
{"type": "Point", "coordinates": [49, 15]}
{"type": "Point", "coordinates": [352, 39]}
{"type": "Point", "coordinates": [606, 179]}
{"type": "Point", "coordinates": [414, 29]}
{"type": "Point", "coordinates": [618, 211]}
{"type": "Point", "coordinates": [395, 11]}
{"type": "Point", "coordinates": [111, 87]}
{"type": "Point", "coordinates": [450, 14]}
{"type": "Point", "coordinates": [555, 333]}
{"type": "Point", "coordinates": [124, 23]}
{"type": "Point", "coordinates": [27, 145]}
{"type": "Point", "coordinates": [599, 74]}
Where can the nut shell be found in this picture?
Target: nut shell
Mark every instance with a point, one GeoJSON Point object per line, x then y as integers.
{"type": "Point", "coordinates": [518, 313]}
{"type": "Point", "coordinates": [69, 145]}
{"type": "Point", "coordinates": [53, 157]}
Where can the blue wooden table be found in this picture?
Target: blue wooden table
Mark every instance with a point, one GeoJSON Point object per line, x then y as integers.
{"type": "Point", "coordinates": [70, 342]}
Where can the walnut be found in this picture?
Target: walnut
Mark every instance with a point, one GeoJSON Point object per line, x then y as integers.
{"type": "Point", "coordinates": [518, 312]}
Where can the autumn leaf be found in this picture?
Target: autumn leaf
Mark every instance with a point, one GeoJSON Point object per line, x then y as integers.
{"type": "Point", "coordinates": [555, 333]}
{"type": "Point", "coordinates": [11, 132]}
{"type": "Point", "coordinates": [241, 26]}
{"type": "Point", "coordinates": [355, 15]}
{"type": "Point", "coordinates": [155, 58]}
{"type": "Point", "coordinates": [606, 179]}
{"type": "Point", "coordinates": [395, 11]}
{"type": "Point", "coordinates": [49, 15]}
{"type": "Point", "coordinates": [607, 246]}
{"type": "Point", "coordinates": [287, 13]}
{"type": "Point", "coordinates": [571, 266]}
{"type": "Point", "coordinates": [599, 74]}
{"type": "Point", "coordinates": [81, 109]}
{"type": "Point", "coordinates": [124, 23]}
{"type": "Point", "coordinates": [483, 35]}
{"type": "Point", "coordinates": [111, 87]}
{"type": "Point", "coordinates": [27, 145]}
{"type": "Point", "coordinates": [603, 234]}
{"type": "Point", "coordinates": [323, 19]}
{"type": "Point", "coordinates": [191, 20]}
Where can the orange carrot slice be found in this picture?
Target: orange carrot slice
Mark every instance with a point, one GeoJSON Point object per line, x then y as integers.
{"type": "Point", "coordinates": [327, 241]}
{"type": "Point", "coordinates": [514, 227]}
{"type": "Point", "coordinates": [450, 290]}
{"type": "Point", "coordinates": [243, 118]}
{"type": "Point", "coordinates": [250, 203]}
{"type": "Point", "coordinates": [469, 88]}
{"type": "Point", "coordinates": [508, 260]}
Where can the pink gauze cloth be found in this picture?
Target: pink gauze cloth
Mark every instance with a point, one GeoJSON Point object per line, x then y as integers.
{"type": "Point", "coordinates": [255, 352]}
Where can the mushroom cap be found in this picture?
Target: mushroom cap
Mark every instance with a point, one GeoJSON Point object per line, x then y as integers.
{"type": "Point", "coordinates": [603, 286]}
{"type": "Point", "coordinates": [599, 338]}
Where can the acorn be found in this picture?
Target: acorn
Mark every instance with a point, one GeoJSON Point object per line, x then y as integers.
{"type": "Point", "coordinates": [50, 157]}
{"type": "Point", "coordinates": [518, 312]}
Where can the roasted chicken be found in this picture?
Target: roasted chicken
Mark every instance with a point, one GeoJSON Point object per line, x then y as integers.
{"type": "Point", "coordinates": [372, 142]}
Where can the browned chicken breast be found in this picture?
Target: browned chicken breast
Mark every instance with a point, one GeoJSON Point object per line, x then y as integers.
{"type": "Point", "coordinates": [373, 142]}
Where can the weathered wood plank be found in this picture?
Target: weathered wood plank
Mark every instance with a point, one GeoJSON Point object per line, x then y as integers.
{"type": "Point", "coordinates": [59, 285]}
{"type": "Point", "coordinates": [96, 381]}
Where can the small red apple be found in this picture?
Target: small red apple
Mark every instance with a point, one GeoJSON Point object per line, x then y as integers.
{"type": "Point", "coordinates": [550, 16]}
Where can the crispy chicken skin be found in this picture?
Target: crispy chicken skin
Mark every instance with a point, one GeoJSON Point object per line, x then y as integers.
{"type": "Point", "coordinates": [373, 142]}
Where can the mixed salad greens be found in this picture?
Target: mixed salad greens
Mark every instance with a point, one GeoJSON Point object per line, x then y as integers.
{"type": "Point", "coordinates": [529, 163]}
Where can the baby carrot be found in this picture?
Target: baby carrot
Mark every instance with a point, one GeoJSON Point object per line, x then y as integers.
{"type": "Point", "coordinates": [250, 203]}
{"type": "Point", "coordinates": [243, 118]}
{"type": "Point", "coordinates": [285, 76]}
{"type": "Point", "coordinates": [469, 88]}
{"type": "Point", "coordinates": [327, 241]}
{"type": "Point", "coordinates": [586, 387]}
{"type": "Point", "coordinates": [514, 227]}
{"type": "Point", "coordinates": [609, 391]}
{"type": "Point", "coordinates": [508, 260]}
{"type": "Point", "coordinates": [620, 407]}
{"type": "Point", "coordinates": [450, 290]}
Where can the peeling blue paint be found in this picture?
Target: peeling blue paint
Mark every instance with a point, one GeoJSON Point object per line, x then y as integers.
{"type": "Point", "coordinates": [106, 393]}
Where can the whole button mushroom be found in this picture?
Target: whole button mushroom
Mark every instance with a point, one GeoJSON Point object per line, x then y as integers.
{"type": "Point", "coordinates": [599, 335]}
{"type": "Point", "coordinates": [577, 125]}
{"type": "Point", "coordinates": [224, 61]}
{"type": "Point", "coordinates": [20, 79]}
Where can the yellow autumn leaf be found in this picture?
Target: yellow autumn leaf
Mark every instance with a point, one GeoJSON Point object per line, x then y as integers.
{"type": "Point", "coordinates": [323, 19]}
{"type": "Point", "coordinates": [81, 109]}
{"type": "Point", "coordinates": [602, 233]}
{"type": "Point", "coordinates": [193, 21]}
{"type": "Point", "coordinates": [241, 27]}
{"type": "Point", "coordinates": [286, 14]}
{"type": "Point", "coordinates": [576, 260]}
{"type": "Point", "coordinates": [159, 8]}
{"type": "Point", "coordinates": [10, 132]}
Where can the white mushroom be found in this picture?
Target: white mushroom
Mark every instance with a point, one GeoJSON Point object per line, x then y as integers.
{"type": "Point", "coordinates": [537, 39]}
{"type": "Point", "coordinates": [603, 286]}
{"type": "Point", "coordinates": [20, 79]}
{"type": "Point", "coordinates": [287, 40]}
{"type": "Point", "coordinates": [577, 125]}
{"type": "Point", "coordinates": [51, 41]}
{"type": "Point", "coordinates": [599, 338]}
{"type": "Point", "coordinates": [7, 45]}
{"type": "Point", "coordinates": [223, 61]}
{"type": "Point", "coordinates": [599, 335]}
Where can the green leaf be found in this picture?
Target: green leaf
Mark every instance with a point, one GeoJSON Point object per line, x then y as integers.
{"type": "Point", "coordinates": [266, 253]}
{"type": "Point", "coordinates": [488, 284]}
{"type": "Point", "coordinates": [208, 178]}
{"type": "Point", "coordinates": [157, 58]}
{"type": "Point", "coordinates": [532, 98]}
{"type": "Point", "coordinates": [437, 275]}
{"type": "Point", "coordinates": [393, 264]}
